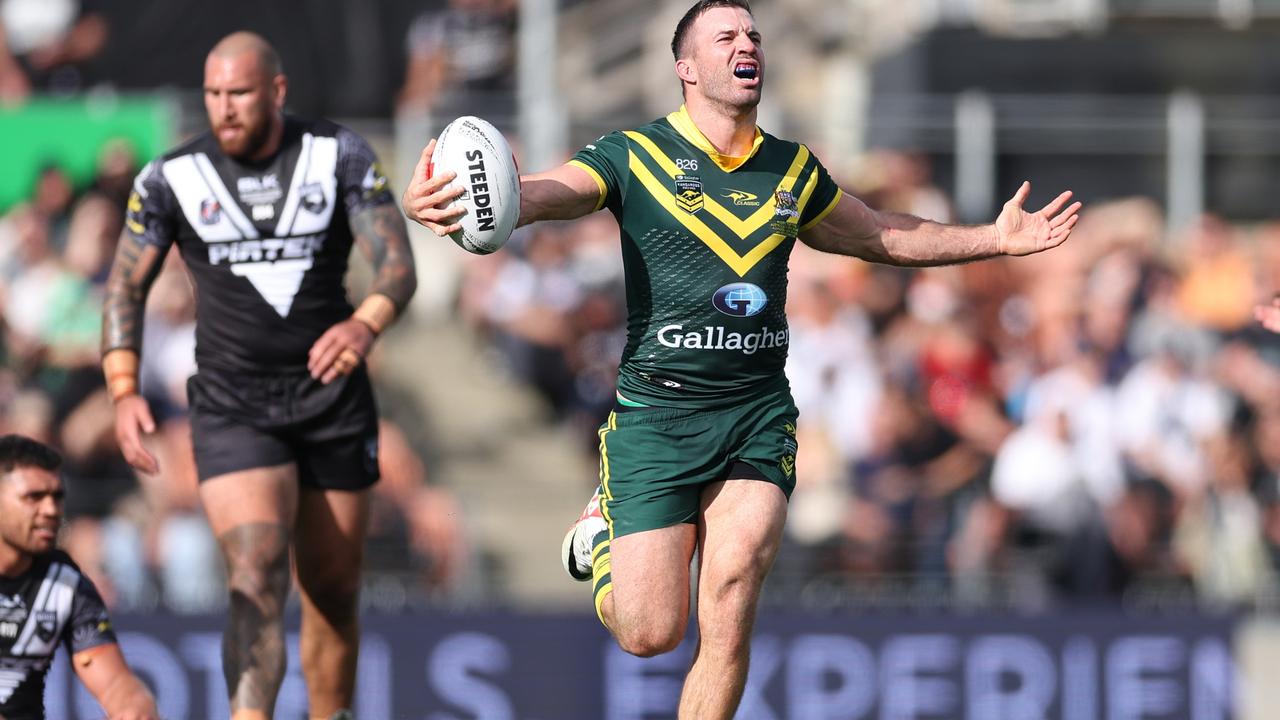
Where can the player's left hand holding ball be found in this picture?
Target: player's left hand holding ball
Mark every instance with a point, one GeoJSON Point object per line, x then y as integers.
{"type": "Point", "coordinates": [428, 200]}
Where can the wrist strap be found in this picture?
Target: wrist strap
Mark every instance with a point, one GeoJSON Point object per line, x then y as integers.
{"type": "Point", "coordinates": [120, 367]}
{"type": "Point", "coordinates": [377, 311]}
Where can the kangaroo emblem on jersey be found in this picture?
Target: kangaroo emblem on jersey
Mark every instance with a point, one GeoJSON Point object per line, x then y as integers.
{"type": "Point", "coordinates": [742, 197]}
{"type": "Point", "coordinates": [689, 193]}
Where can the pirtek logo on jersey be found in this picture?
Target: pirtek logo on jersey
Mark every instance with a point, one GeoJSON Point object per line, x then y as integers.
{"type": "Point", "coordinates": [266, 249]}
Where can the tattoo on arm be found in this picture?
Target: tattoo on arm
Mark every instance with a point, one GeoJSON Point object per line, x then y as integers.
{"type": "Point", "coordinates": [136, 265]}
{"type": "Point", "coordinates": [381, 236]}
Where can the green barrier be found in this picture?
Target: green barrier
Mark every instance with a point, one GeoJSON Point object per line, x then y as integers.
{"type": "Point", "coordinates": [71, 133]}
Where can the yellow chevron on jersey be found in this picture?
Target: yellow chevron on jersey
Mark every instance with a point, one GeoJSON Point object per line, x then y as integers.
{"type": "Point", "coordinates": [741, 264]}
{"type": "Point", "coordinates": [742, 227]}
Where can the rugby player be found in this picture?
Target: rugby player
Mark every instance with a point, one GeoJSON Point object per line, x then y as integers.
{"type": "Point", "coordinates": [45, 601]}
{"type": "Point", "coordinates": [264, 209]}
{"type": "Point", "coordinates": [699, 452]}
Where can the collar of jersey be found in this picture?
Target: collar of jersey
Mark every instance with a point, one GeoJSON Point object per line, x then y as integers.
{"type": "Point", "coordinates": [683, 124]}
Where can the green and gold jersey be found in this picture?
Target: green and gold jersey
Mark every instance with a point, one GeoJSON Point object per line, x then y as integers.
{"type": "Point", "coordinates": [705, 243]}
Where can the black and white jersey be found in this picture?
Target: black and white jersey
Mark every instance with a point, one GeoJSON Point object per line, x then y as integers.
{"type": "Point", "coordinates": [51, 604]}
{"type": "Point", "coordinates": [266, 243]}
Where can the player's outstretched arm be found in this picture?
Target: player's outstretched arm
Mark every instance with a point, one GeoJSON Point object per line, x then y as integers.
{"type": "Point", "coordinates": [564, 193]}
{"type": "Point", "coordinates": [133, 271]}
{"type": "Point", "coordinates": [121, 694]}
{"type": "Point", "coordinates": [854, 229]}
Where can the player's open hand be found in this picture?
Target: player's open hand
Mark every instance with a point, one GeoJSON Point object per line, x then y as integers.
{"type": "Point", "coordinates": [1269, 315]}
{"type": "Point", "coordinates": [133, 420]}
{"type": "Point", "coordinates": [1021, 233]}
{"type": "Point", "coordinates": [340, 350]}
{"type": "Point", "coordinates": [428, 200]}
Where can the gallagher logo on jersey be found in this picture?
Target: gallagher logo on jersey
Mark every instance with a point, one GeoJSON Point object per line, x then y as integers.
{"type": "Point", "coordinates": [740, 299]}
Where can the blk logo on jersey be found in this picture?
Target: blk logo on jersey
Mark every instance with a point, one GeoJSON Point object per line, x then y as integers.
{"type": "Point", "coordinates": [259, 191]}
{"type": "Point", "coordinates": [689, 193]}
{"type": "Point", "coordinates": [210, 211]}
{"type": "Point", "coordinates": [740, 299]}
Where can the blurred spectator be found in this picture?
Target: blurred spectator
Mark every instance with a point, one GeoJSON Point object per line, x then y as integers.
{"type": "Point", "coordinates": [461, 61]}
{"type": "Point", "coordinates": [1217, 289]}
{"type": "Point", "coordinates": [1220, 534]}
{"type": "Point", "coordinates": [411, 514]}
{"type": "Point", "coordinates": [117, 167]}
{"type": "Point", "coordinates": [44, 45]}
{"type": "Point", "coordinates": [529, 306]}
{"type": "Point", "coordinates": [902, 182]}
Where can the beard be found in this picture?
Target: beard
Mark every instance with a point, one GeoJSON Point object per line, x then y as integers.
{"type": "Point", "coordinates": [248, 144]}
{"type": "Point", "coordinates": [726, 91]}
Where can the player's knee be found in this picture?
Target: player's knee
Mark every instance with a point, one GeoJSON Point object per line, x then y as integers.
{"type": "Point", "coordinates": [648, 644]}
{"type": "Point", "coordinates": [257, 559]}
{"type": "Point", "coordinates": [337, 598]}
{"type": "Point", "coordinates": [648, 638]}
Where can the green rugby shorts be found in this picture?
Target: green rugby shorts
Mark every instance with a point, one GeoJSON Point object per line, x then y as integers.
{"type": "Point", "coordinates": [655, 462]}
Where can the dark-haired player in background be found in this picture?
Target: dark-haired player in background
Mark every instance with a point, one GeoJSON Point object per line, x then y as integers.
{"type": "Point", "coordinates": [265, 209]}
{"type": "Point", "coordinates": [699, 453]}
{"type": "Point", "coordinates": [45, 601]}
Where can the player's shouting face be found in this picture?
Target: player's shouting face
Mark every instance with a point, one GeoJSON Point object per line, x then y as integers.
{"type": "Point", "coordinates": [723, 59]}
{"type": "Point", "coordinates": [30, 510]}
{"type": "Point", "coordinates": [243, 100]}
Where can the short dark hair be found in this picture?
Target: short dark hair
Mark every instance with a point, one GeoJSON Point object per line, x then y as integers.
{"type": "Point", "coordinates": [682, 27]}
{"type": "Point", "coordinates": [20, 451]}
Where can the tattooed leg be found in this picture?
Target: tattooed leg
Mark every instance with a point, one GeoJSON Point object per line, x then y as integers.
{"type": "Point", "coordinates": [252, 513]}
{"type": "Point", "coordinates": [253, 652]}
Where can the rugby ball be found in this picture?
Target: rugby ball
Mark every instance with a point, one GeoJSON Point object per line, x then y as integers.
{"type": "Point", "coordinates": [480, 155]}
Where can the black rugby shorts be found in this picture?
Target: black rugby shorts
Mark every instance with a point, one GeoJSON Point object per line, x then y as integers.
{"type": "Point", "coordinates": [241, 421]}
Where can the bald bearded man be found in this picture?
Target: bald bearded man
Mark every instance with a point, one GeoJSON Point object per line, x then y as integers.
{"type": "Point", "coordinates": [265, 208]}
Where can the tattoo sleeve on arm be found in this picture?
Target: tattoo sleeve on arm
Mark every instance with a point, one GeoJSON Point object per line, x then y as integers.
{"type": "Point", "coordinates": [136, 265]}
{"type": "Point", "coordinates": [381, 236]}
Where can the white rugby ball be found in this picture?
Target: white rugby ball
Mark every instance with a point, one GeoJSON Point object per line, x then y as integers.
{"type": "Point", "coordinates": [480, 155]}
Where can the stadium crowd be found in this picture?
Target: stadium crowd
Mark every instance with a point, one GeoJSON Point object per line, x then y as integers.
{"type": "Point", "coordinates": [1099, 424]}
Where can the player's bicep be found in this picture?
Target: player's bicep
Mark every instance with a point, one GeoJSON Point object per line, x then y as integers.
{"type": "Point", "coordinates": [849, 228]}
{"type": "Point", "coordinates": [564, 193]}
